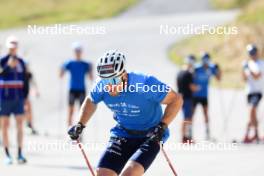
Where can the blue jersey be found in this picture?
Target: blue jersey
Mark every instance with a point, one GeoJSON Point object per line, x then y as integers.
{"type": "Point", "coordinates": [202, 78]}
{"type": "Point", "coordinates": [12, 80]}
{"type": "Point", "coordinates": [78, 70]}
{"type": "Point", "coordinates": [136, 108]}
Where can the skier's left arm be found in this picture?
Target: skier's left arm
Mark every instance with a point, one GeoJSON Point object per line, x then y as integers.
{"type": "Point", "coordinates": [90, 72]}
{"type": "Point", "coordinates": [217, 72]}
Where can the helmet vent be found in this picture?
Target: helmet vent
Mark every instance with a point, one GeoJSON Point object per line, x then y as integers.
{"type": "Point", "coordinates": [121, 67]}
{"type": "Point", "coordinates": [116, 65]}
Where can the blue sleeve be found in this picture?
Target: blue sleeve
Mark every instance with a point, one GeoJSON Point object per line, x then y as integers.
{"type": "Point", "coordinates": [96, 94]}
{"type": "Point", "coordinates": [88, 67]}
{"type": "Point", "coordinates": [157, 90]}
{"type": "Point", "coordinates": [66, 66]}
{"type": "Point", "coordinates": [214, 70]}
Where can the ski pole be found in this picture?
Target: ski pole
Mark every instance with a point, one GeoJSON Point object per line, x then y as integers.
{"type": "Point", "coordinates": [168, 161]}
{"type": "Point", "coordinates": [85, 157]}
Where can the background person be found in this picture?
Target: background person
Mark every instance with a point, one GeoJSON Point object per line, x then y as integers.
{"type": "Point", "coordinates": [141, 124]}
{"type": "Point", "coordinates": [12, 75]}
{"type": "Point", "coordinates": [253, 70]}
{"type": "Point", "coordinates": [78, 69]}
{"type": "Point", "coordinates": [29, 81]}
{"type": "Point", "coordinates": [202, 76]}
{"type": "Point", "coordinates": [186, 87]}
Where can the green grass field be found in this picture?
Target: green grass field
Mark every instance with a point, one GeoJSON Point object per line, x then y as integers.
{"type": "Point", "coordinates": [228, 50]}
{"type": "Point", "coordinates": [15, 13]}
{"type": "Point", "coordinates": [229, 4]}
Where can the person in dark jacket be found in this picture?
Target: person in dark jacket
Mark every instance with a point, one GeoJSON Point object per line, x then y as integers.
{"type": "Point", "coordinates": [12, 75]}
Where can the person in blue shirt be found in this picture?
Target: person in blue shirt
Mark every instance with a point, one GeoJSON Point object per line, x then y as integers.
{"type": "Point", "coordinates": [202, 76]}
{"type": "Point", "coordinates": [135, 100]}
{"type": "Point", "coordinates": [78, 69]}
{"type": "Point", "coordinates": [12, 75]}
{"type": "Point", "coordinates": [186, 87]}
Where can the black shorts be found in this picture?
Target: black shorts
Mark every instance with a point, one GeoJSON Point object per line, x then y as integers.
{"type": "Point", "coordinates": [200, 100]}
{"type": "Point", "coordinates": [120, 150]}
{"type": "Point", "coordinates": [254, 99]}
{"type": "Point", "coordinates": [76, 95]}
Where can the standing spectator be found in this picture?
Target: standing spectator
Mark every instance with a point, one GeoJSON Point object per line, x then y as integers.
{"type": "Point", "coordinates": [253, 70]}
{"type": "Point", "coordinates": [28, 83]}
{"type": "Point", "coordinates": [186, 87]}
{"type": "Point", "coordinates": [12, 75]}
{"type": "Point", "coordinates": [78, 69]}
{"type": "Point", "coordinates": [202, 76]}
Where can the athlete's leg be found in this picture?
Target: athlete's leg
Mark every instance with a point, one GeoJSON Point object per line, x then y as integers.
{"type": "Point", "coordinates": [29, 115]}
{"type": "Point", "coordinates": [246, 138]}
{"type": "Point", "coordinates": [133, 168]}
{"type": "Point", "coordinates": [105, 172]}
{"type": "Point", "coordinates": [19, 124]}
{"type": "Point", "coordinates": [142, 159]}
{"type": "Point", "coordinates": [116, 155]}
{"type": "Point", "coordinates": [70, 114]}
{"type": "Point", "coordinates": [206, 119]}
{"type": "Point", "coordinates": [253, 100]}
{"type": "Point", "coordinates": [28, 112]}
{"type": "Point", "coordinates": [82, 97]}
{"type": "Point", "coordinates": [5, 127]}
{"type": "Point", "coordinates": [253, 116]}
{"type": "Point", "coordinates": [187, 131]}
{"type": "Point", "coordinates": [187, 122]}
{"type": "Point", "coordinates": [72, 97]}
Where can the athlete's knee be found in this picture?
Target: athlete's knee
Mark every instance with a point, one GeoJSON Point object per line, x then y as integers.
{"type": "Point", "coordinates": [19, 122]}
{"type": "Point", "coordinates": [130, 172]}
{"type": "Point", "coordinates": [105, 172]}
{"type": "Point", "coordinates": [133, 169]}
{"type": "Point", "coordinates": [5, 123]}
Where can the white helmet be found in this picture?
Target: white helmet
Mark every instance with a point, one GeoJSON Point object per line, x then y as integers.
{"type": "Point", "coordinates": [111, 64]}
{"type": "Point", "coordinates": [11, 42]}
{"type": "Point", "coordinates": [76, 46]}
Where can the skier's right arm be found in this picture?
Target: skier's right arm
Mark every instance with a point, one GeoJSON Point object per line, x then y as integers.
{"type": "Point", "coordinates": [64, 68]}
{"type": "Point", "coordinates": [4, 69]}
{"type": "Point", "coordinates": [87, 110]}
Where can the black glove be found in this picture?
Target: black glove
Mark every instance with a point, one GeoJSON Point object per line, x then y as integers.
{"type": "Point", "coordinates": [75, 131]}
{"type": "Point", "coordinates": [217, 67]}
{"type": "Point", "coordinates": [158, 132]}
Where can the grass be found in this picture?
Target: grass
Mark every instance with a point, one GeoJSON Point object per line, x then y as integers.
{"type": "Point", "coordinates": [23, 12]}
{"type": "Point", "coordinates": [229, 4]}
{"type": "Point", "coordinates": [228, 50]}
{"type": "Point", "coordinates": [254, 13]}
